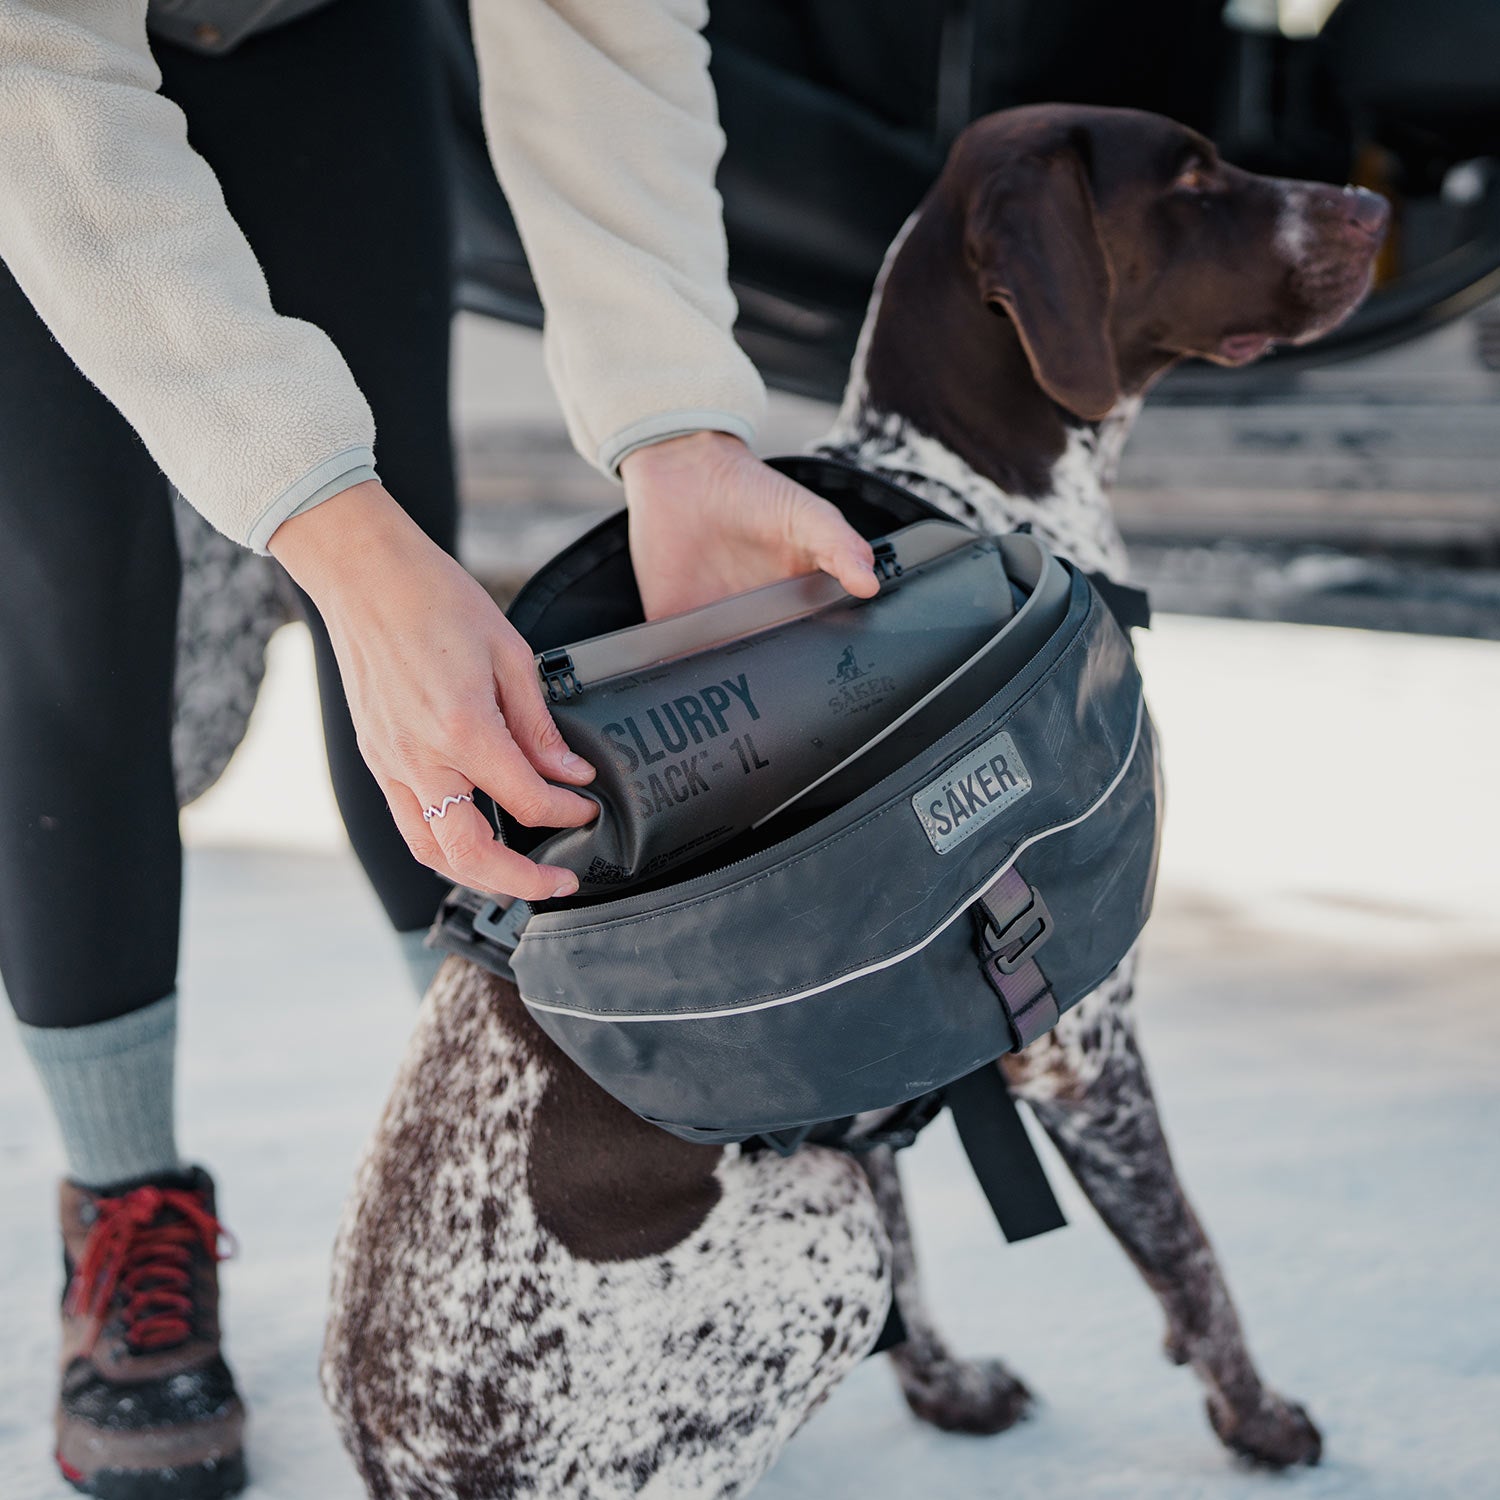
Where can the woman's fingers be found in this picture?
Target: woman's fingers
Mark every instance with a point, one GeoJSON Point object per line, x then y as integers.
{"type": "Point", "coordinates": [821, 532]}
{"type": "Point", "coordinates": [528, 718]}
{"type": "Point", "coordinates": [457, 840]}
{"type": "Point", "coordinates": [497, 763]}
{"type": "Point", "coordinates": [428, 663]}
{"type": "Point", "coordinates": [491, 756]}
{"type": "Point", "coordinates": [461, 845]}
{"type": "Point", "coordinates": [708, 519]}
{"type": "Point", "coordinates": [479, 859]}
{"type": "Point", "coordinates": [407, 813]}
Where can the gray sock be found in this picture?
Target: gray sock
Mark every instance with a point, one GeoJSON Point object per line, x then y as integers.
{"type": "Point", "coordinates": [421, 963]}
{"type": "Point", "coordinates": [111, 1090]}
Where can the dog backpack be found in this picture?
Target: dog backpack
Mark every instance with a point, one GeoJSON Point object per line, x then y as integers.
{"type": "Point", "coordinates": [849, 852]}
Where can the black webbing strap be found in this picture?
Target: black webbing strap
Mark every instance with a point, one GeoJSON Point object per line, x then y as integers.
{"type": "Point", "coordinates": [1002, 1156]}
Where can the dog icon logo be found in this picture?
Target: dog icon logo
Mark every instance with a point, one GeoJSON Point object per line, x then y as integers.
{"type": "Point", "coordinates": [848, 670]}
{"type": "Point", "coordinates": [856, 688]}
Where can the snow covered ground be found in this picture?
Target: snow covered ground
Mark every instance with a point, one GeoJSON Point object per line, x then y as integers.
{"type": "Point", "coordinates": [1319, 1006]}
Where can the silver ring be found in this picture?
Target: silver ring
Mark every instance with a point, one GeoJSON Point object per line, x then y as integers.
{"type": "Point", "coordinates": [441, 811]}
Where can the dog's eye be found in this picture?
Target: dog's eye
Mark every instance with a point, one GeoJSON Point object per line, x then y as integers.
{"type": "Point", "coordinates": [1195, 177]}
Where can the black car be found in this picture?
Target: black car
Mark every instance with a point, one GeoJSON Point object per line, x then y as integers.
{"type": "Point", "coordinates": [838, 114]}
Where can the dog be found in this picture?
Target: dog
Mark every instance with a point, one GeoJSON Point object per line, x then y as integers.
{"type": "Point", "coordinates": [535, 1293]}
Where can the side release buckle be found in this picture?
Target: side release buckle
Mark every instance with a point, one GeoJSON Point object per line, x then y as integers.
{"type": "Point", "coordinates": [886, 566]}
{"type": "Point", "coordinates": [558, 676]}
{"type": "Point", "coordinates": [1014, 944]}
{"type": "Point", "coordinates": [474, 927]}
{"type": "Point", "coordinates": [1012, 923]}
{"type": "Point", "coordinates": [502, 925]}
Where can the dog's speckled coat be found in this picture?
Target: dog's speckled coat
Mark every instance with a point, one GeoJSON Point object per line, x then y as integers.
{"type": "Point", "coordinates": [471, 1353]}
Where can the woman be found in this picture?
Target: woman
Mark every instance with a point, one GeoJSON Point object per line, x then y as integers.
{"type": "Point", "coordinates": [127, 249]}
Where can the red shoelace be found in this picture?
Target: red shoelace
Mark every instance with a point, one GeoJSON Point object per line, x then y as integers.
{"type": "Point", "coordinates": [141, 1245]}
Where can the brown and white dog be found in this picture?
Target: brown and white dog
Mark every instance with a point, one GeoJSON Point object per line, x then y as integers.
{"type": "Point", "coordinates": [537, 1294]}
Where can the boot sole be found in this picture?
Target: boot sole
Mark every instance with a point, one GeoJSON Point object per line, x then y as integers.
{"type": "Point", "coordinates": [213, 1480]}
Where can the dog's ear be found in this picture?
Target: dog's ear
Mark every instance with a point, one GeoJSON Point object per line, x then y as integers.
{"type": "Point", "coordinates": [1032, 242]}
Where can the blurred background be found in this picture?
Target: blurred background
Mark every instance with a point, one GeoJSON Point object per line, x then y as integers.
{"type": "Point", "coordinates": [1321, 535]}
{"type": "Point", "coordinates": [1349, 482]}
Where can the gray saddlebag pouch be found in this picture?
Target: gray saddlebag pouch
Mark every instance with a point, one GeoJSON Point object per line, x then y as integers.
{"type": "Point", "coordinates": [927, 904]}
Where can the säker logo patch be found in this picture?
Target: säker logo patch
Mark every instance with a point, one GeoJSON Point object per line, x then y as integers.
{"type": "Point", "coordinates": [972, 793]}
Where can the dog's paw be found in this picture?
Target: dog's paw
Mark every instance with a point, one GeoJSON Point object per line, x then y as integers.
{"type": "Point", "coordinates": [1276, 1434]}
{"type": "Point", "coordinates": [981, 1397]}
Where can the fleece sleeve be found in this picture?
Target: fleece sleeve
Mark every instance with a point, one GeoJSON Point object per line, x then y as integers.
{"type": "Point", "coordinates": [604, 131]}
{"type": "Point", "coordinates": [118, 233]}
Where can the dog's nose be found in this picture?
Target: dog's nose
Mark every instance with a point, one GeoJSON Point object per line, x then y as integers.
{"type": "Point", "coordinates": [1366, 211]}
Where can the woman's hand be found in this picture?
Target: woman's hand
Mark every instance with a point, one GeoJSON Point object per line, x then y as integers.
{"type": "Point", "coordinates": [709, 519]}
{"type": "Point", "coordinates": [444, 692]}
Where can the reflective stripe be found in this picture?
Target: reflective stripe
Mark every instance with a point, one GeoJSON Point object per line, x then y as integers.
{"type": "Point", "coordinates": [886, 963]}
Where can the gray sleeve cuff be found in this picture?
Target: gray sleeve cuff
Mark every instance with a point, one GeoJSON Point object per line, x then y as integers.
{"type": "Point", "coordinates": [668, 425]}
{"type": "Point", "coordinates": [352, 466]}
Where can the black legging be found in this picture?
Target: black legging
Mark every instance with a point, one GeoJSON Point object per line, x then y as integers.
{"type": "Point", "coordinates": [326, 137]}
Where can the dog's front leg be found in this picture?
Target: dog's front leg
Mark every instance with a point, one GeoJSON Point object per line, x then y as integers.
{"type": "Point", "coordinates": [957, 1395]}
{"type": "Point", "coordinates": [1088, 1086]}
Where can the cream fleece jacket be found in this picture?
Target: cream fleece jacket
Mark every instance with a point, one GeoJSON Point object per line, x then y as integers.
{"type": "Point", "coordinates": [604, 133]}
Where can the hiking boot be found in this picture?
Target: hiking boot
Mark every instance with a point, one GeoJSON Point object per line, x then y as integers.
{"type": "Point", "coordinates": [148, 1409]}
